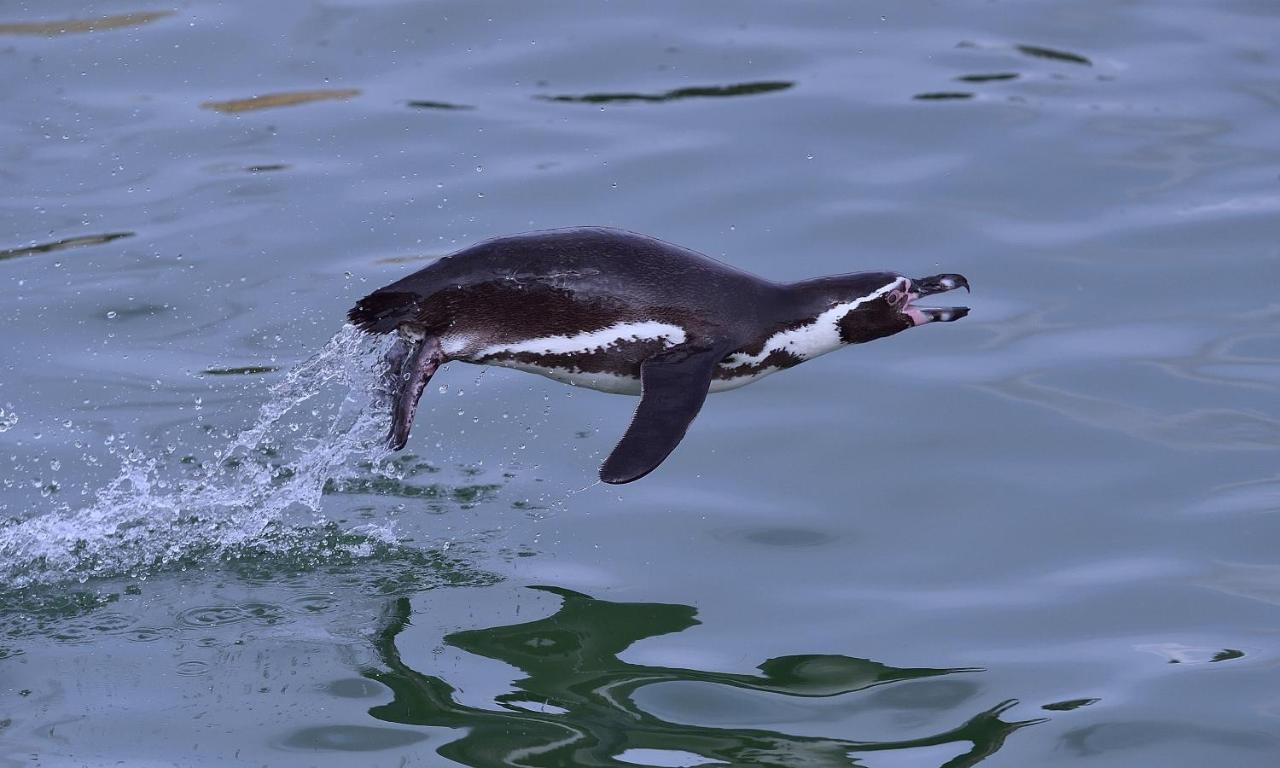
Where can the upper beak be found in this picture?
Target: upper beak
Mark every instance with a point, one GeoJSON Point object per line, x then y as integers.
{"type": "Point", "coordinates": [927, 286]}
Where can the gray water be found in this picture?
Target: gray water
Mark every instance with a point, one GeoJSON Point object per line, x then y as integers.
{"type": "Point", "coordinates": [1045, 535]}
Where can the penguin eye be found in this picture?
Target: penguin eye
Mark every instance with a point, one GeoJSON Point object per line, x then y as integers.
{"type": "Point", "coordinates": [894, 296]}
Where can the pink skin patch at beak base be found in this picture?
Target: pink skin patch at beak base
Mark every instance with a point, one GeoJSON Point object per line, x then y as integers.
{"type": "Point", "coordinates": [900, 298]}
{"type": "Point", "coordinates": [918, 318]}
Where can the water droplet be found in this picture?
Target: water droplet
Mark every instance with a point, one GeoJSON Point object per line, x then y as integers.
{"type": "Point", "coordinates": [111, 315]}
{"type": "Point", "coordinates": [444, 388]}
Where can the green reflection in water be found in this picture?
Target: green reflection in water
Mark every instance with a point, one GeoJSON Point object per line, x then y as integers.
{"type": "Point", "coordinates": [572, 666]}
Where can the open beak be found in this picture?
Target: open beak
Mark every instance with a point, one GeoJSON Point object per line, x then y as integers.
{"type": "Point", "coordinates": [927, 286]}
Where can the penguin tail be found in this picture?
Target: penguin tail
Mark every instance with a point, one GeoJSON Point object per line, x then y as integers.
{"type": "Point", "coordinates": [383, 311]}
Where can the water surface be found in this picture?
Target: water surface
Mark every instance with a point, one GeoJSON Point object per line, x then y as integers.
{"type": "Point", "coordinates": [1040, 536]}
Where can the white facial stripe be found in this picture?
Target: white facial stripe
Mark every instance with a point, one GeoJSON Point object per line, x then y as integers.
{"type": "Point", "coordinates": [591, 341]}
{"type": "Point", "coordinates": [815, 338]}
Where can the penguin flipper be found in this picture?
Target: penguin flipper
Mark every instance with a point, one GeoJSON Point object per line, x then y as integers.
{"type": "Point", "coordinates": [673, 386]}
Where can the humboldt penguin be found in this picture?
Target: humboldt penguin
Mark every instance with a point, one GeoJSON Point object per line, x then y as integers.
{"type": "Point", "coordinates": [624, 313]}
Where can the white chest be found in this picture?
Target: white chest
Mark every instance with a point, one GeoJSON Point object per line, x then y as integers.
{"type": "Point", "coordinates": [599, 381]}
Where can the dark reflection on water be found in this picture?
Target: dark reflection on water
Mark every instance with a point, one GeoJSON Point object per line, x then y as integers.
{"type": "Point", "coordinates": [1069, 704]}
{"type": "Point", "coordinates": [740, 89]}
{"type": "Point", "coordinates": [1035, 51]}
{"type": "Point", "coordinates": [242, 370]}
{"type": "Point", "coordinates": [988, 78]}
{"type": "Point", "coordinates": [421, 104]}
{"type": "Point", "coordinates": [576, 705]}
{"type": "Point", "coordinates": [58, 245]}
{"type": "Point", "coordinates": [1041, 52]}
{"type": "Point", "coordinates": [943, 96]}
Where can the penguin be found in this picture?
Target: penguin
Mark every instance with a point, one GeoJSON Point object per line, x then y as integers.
{"type": "Point", "coordinates": [624, 313]}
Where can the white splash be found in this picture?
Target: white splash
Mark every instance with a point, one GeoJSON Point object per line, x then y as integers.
{"type": "Point", "coordinates": [148, 518]}
{"type": "Point", "coordinates": [811, 339]}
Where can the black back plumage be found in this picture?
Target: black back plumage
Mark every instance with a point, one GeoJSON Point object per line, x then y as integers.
{"type": "Point", "coordinates": [609, 269]}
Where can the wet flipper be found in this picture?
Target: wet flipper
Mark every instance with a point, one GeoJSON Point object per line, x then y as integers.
{"type": "Point", "coordinates": [411, 363]}
{"type": "Point", "coordinates": [673, 385]}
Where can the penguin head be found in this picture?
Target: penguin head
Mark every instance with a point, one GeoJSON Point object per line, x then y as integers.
{"type": "Point", "coordinates": [880, 304]}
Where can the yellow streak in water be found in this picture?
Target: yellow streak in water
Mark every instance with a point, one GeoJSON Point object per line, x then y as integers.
{"type": "Point", "coordinates": [287, 99]}
{"type": "Point", "coordinates": [75, 26]}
